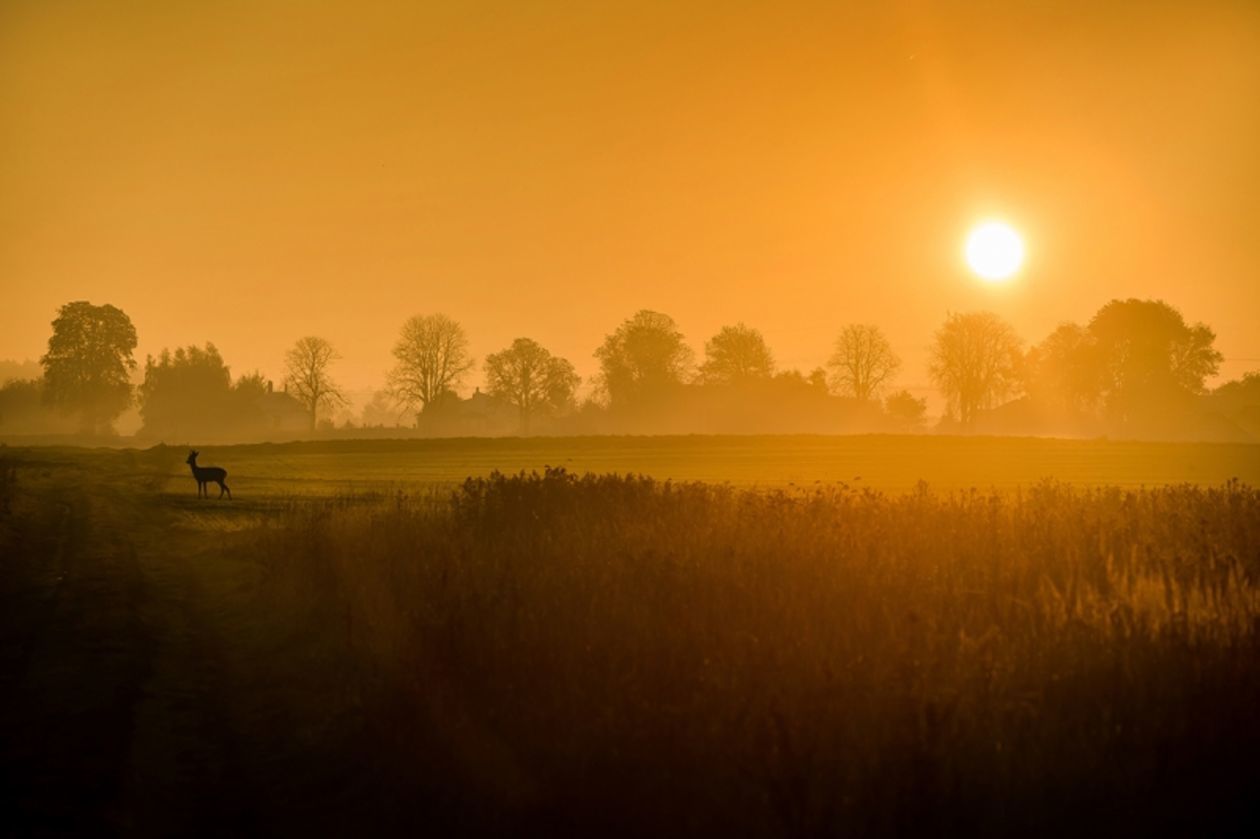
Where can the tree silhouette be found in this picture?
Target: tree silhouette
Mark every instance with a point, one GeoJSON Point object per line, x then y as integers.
{"type": "Point", "coordinates": [87, 366]}
{"type": "Point", "coordinates": [642, 359]}
{"type": "Point", "coordinates": [735, 355]}
{"type": "Point", "coordinates": [185, 391]}
{"type": "Point", "coordinates": [906, 411]}
{"type": "Point", "coordinates": [530, 378]}
{"type": "Point", "coordinates": [307, 377]}
{"type": "Point", "coordinates": [975, 362]}
{"type": "Point", "coordinates": [1150, 357]}
{"type": "Point", "coordinates": [863, 362]}
{"type": "Point", "coordinates": [432, 354]}
{"type": "Point", "coordinates": [1064, 370]}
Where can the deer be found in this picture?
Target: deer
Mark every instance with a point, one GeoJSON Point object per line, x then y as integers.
{"type": "Point", "coordinates": [205, 474]}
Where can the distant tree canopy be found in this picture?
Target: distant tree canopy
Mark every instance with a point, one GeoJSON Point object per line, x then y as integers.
{"type": "Point", "coordinates": [23, 410]}
{"type": "Point", "coordinates": [1149, 356]}
{"type": "Point", "coordinates": [307, 376]}
{"type": "Point", "coordinates": [88, 363]}
{"type": "Point", "coordinates": [185, 391]}
{"type": "Point", "coordinates": [1064, 370]}
{"type": "Point", "coordinates": [189, 393]}
{"type": "Point", "coordinates": [906, 411]}
{"type": "Point", "coordinates": [432, 360]}
{"type": "Point", "coordinates": [527, 376]}
{"type": "Point", "coordinates": [975, 362]}
{"type": "Point", "coordinates": [642, 359]}
{"type": "Point", "coordinates": [736, 355]}
{"type": "Point", "coordinates": [863, 362]}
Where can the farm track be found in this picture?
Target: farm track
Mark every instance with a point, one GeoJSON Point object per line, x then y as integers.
{"type": "Point", "coordinates": [116, 666]}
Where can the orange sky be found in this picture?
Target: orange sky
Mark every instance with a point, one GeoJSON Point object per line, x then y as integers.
{"type": "Point", "coordinates": [250, 172]}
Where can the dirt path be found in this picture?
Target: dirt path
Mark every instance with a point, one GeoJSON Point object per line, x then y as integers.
{"type": "Point", "coordinates": [120, 627]}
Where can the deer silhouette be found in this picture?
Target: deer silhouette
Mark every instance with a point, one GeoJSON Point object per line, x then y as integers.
{"type": "Point", "coordinates": [205, 474]}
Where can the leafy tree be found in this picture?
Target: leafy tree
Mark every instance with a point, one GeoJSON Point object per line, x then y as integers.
{"type": "Point", "coordinates": [642, 359]}
{"type": "Point", "coordinates": [735, 355]}
{"type": "Point", "coordinates": [1150, 357]}
{"type": "Point", "coordinates": [905, 410]}
{"type": "Point", "coordinates": [185, 392]}
{"type": "Point", "coordinates": [251, 387]}
{"type": "Point", "coordinates": [23, 409]}
{"type": "Point", "coordinates": [87, 366]}
{"type": "Point", "coordinates": [307, 376]}
{"type": "Point", "coordinates": [381, 410]}
{"type": "Point", "coordinates": [530, 378]}
{"type": "Point", "coordinates": [1064, 370]}
{"type": "Point", "coordinates": [975, 362]}
{"type": "Point", "coordinates": [433, 358]}
{"type": "Point", "coordinates": [863, 362]}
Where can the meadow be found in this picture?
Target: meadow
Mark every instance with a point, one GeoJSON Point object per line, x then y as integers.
{"type": "Point", "coordinates": [884, 462]}
{"type": "Point", "coordinates": [757, 636]}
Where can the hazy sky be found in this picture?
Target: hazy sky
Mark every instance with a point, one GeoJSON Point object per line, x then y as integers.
{"type": "Point", "coordinates": [247, 173]}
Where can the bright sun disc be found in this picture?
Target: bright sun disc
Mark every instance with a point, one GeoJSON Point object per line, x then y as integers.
{"type": "Point", "coordinates": [994, 250]}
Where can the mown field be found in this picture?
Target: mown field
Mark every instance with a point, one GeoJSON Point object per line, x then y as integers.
{"type": "Point", "coordinates": [362, 642]}
{"type": "Point", "coordinates": [885, 462]}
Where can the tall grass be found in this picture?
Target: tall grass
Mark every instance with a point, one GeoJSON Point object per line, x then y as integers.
{"type": "Point", "coordinates": [614, 653]}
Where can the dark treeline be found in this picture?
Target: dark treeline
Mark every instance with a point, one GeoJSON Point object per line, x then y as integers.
{"type": "Point", "coordinates": [1137, 368]}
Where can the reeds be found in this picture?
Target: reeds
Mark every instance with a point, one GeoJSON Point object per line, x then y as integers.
{"type": "Point", "coordinates": [611, 652]}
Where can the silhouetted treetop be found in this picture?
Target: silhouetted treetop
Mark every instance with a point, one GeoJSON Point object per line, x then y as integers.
{"type": "Point", "coordinates": [737, 354]}
{"type": "Point", "coordinates": [863, 362]}
{"type": "Point", "coordinates": [643, 358]}
{"type": "Point", "coordinates": [975, 362]}
{"type": "Point", "coordinates": [1150, 356]}
{"type": "Point", "coordinates": [432, 359]}
{"type": "Point", "coordinates": [528, 377]}
{"type": "Point", "coordinates": [89, 359]}
{"type": "Point", "coordinates": [307, 375]}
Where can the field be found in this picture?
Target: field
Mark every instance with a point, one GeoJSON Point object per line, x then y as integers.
{"type": "Point", "coordinates": [883, 462]}
{"type": "Point", "coordinates": [792, 636]}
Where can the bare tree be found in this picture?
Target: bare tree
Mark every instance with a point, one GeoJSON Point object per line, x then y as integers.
{"type": "Point", "coordinates": [736, 354]}
{"type": "Point", "coordinates": [307, 377]}
{"type": "Point", "coordinates": [433, 358]}
{"type": "Point", "coordinates": [529, 377]}
{"type": "Point", "coordinates": [863, 362]}
{"type": "Point", "coordinates": [975, 362]}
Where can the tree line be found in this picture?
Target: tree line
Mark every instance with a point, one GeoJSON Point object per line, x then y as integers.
{"type": "Point", "coordinates": [1135, 363]}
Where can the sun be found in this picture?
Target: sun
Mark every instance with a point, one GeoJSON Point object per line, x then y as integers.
{"type": "Point", "coordinates": [994, 250]}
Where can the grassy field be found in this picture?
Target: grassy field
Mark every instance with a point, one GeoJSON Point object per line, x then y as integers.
{"type": "Point", "coordinates": [882, 462]}
{"type": "Point", "coordinates": [360, 642]}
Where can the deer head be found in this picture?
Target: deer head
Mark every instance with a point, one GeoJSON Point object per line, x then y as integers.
{"type": "Point", "coordinates": [192, 457]}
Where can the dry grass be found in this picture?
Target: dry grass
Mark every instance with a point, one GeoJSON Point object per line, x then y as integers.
{"type": "Point", "coordinates": [612, 652]}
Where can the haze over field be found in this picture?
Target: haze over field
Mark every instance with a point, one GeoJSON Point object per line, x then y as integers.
{"type": "Point", "coordinates": [247, 173]}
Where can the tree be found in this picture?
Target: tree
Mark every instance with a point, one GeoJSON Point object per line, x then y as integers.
{"type": "Point", "coordinates": [642, 359]}
{"type": "Point", "coordinates": [863, 362]}
{"type": "Point", "coordinates": [530, 378]}
{"type": "Point", "coordinates": [381, 410]}
{"type": "Point", "coordinates": [737, 354]}
{"type": "Point", "coordinates": [307, 377]}
{"type": "Point", "coordinates": [905, 410]}
{"type": "Point", "coordinates": [975, 362]}
{"type": "Point", "coordinates": [185, 393]}
{"type": "Point", "coordinates": [1063, 370]}
{"type": "Point", "coordinates": [433, 358]}
{"type": "Point", "coordinates": [87, 366]}
{"type": "Point", "coordinates": [23, 409]}
{"type": "Point", "coordinates": [1150, 357]}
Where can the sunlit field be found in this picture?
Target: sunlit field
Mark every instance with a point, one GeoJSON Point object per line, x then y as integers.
{"type": "Point", "coordinates": [359, 638]}
{"type": "Point", "coordinates": [885, 462]}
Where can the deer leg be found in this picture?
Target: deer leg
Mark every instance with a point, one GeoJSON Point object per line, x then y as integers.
{"type": "Point", "coordinates": [224, 488]}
